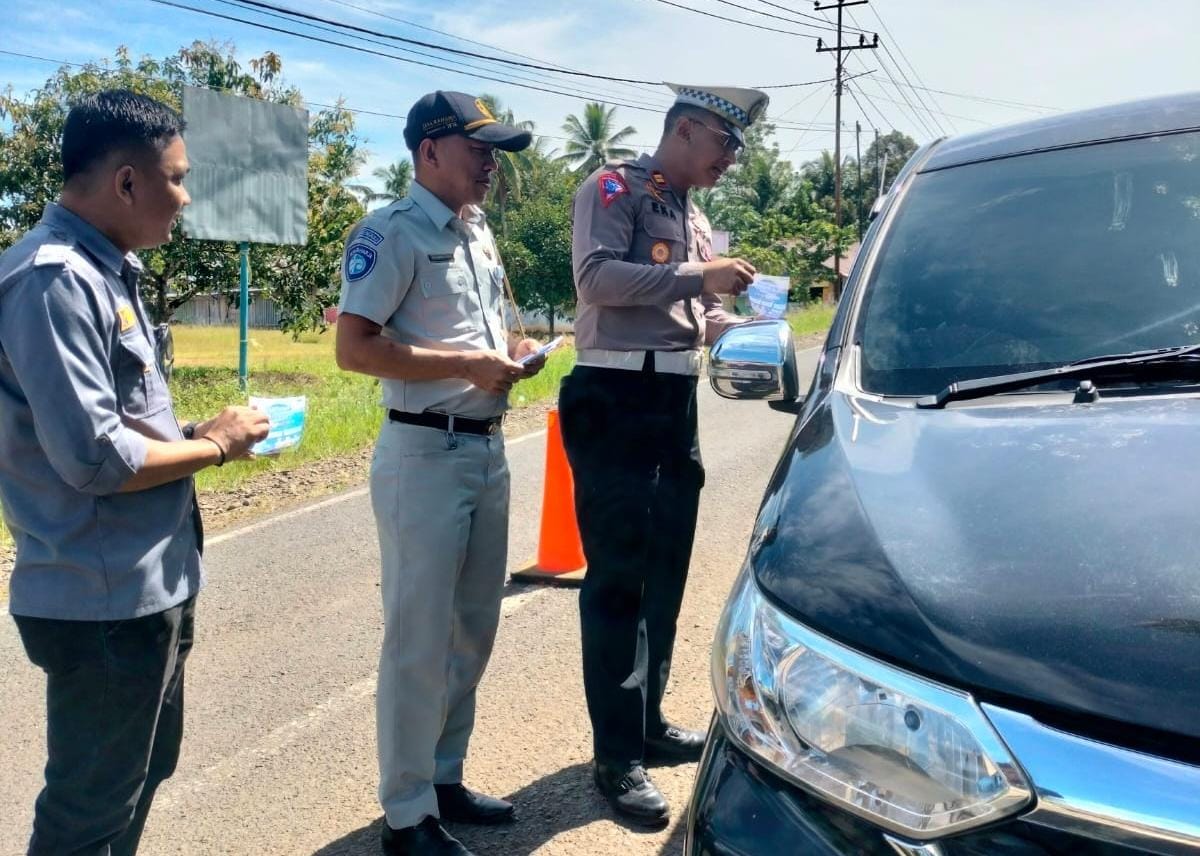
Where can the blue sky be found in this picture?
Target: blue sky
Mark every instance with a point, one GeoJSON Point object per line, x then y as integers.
{"type": "Point", "coordinates": [1064, 54]}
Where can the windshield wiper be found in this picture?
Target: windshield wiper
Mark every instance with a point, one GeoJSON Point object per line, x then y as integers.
{"type": "Point", "coordinates": [1109, 364]}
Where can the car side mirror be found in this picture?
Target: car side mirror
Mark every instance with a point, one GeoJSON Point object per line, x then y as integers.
{"type": "Point", "coordinates": [756, 360]}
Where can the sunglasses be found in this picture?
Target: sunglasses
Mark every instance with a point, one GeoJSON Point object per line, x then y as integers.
{"type": "Point", "coordinates": [728, 141]}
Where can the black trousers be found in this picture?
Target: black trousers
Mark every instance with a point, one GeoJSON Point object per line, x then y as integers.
{"type": "Point", "coordinates": [631, 438]}
{"type": "Point", "coordinates": [114, 704]}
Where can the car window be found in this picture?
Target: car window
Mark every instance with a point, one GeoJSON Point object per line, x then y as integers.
{"type": "Point", "coordinates": [1034, 261]}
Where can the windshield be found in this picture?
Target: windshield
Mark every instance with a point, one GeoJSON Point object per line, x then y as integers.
{"type": "Point", "coordinates": [1035, 261]}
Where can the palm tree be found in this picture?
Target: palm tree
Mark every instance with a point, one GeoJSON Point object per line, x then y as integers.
{"type": "Point", "coordinates": [592, 142]}
{"type": "Point", "coordinates": [507, 184]}
{"type": "Point", "coordinates": [396, 178]}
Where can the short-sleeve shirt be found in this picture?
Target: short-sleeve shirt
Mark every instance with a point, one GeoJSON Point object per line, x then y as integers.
{"type": "Point", "coordinates": [637, 247]}
{"type": "Point", "coordinates": [80, 391]}
{"type": "Point", "coordinates": [430, 280]}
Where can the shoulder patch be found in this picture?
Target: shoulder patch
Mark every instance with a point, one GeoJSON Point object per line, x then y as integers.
{"type": "Point", "coordinates": [52, 254]}
{"type": "Point", "coordinates": [360, 260]}
{"type": "Point", "coordinates": [370, 235]}
{"type": "Point", "coordinates": [126, 317]}
{"type": "Point", "coordinates": [612, 185]}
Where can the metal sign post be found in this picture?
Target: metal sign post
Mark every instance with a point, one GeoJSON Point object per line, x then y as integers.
{"type": "Point", "coordinates": [244, 317]}
{"type": "Point", "coordinates": [249, 181]}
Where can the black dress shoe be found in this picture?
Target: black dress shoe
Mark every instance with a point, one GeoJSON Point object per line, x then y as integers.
{"type": "Point", "coordinates": [427, 838]}
{"type": "Point", "coordinates": [675, 745]}
{"type": "Point", "coordinates": [632, 795]}
{"type": "Point", "coordinates": [459, 804]}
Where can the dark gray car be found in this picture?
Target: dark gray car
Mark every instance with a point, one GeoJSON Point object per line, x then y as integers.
{"type": "Point", "coordinates": [969, 621]}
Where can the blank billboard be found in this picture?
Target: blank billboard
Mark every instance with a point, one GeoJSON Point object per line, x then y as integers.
{"type": "Point", "coordinates": [249, 178]}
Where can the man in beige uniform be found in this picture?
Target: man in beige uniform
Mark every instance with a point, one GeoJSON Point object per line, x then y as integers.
{"type": "Point", "coordinates": [422, 296]}
{"type": "Point", "coordinates": [649, 299]}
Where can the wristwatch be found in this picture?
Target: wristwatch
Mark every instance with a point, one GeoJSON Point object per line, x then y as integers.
{"type": "Point", "coordinates": [189, 431]}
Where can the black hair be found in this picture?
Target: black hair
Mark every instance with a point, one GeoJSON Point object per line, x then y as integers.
{"type": "Point", "coordinates": [115, 119]}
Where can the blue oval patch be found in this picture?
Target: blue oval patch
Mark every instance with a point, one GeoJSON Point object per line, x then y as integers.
{"type": "Point", "coordinates": [360, 260]}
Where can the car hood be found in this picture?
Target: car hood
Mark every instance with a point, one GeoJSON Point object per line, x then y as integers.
{"type": "Point", "coordinates": [1045, 552]}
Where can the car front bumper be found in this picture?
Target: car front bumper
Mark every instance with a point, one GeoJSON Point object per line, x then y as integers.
{"type": "Point", "coordinates": [739, 808]}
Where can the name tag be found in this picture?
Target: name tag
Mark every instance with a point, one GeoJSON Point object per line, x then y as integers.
{"type": "Point", "coordinates": [441, 258]}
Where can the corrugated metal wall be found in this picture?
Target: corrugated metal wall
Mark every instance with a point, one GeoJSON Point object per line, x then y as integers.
{"type": "Point", "coordinates": [210, 310]}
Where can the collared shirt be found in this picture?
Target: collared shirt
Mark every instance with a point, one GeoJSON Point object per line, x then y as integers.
{"type": "Point", "coordinates": [80, 390]}
{"type": "Point", "coordinates": [430, 280]}
{"type": "Point", "coordinates": [636, 249]}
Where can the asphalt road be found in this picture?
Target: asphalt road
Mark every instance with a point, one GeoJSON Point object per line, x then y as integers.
{"type": "Point", "coordinates": [279, 754]}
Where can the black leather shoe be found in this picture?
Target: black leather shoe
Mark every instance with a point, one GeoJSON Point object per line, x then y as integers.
{"type": "Point", "coordinates": [427, 838]}
{"type": "Point", "coordinates": [675, 745]}
{"type": "Point", "coordinates": [632, 795]}
{"type": "Point", "coordinates": [459, 804]}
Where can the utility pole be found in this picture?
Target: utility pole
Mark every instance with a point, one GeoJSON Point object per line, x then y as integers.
{"type": "Point", "coordinates": [858, 184]}
{"type": "Point", "coordinates": [839, 49]}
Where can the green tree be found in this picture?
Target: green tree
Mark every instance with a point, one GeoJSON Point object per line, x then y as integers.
{"type": "Point", "coordinates": [774, 214]}
{"type": "Point", "coordinates": [303, 280]}
{"type": "Point", "coordinates": [396, 178]}
{"type": "Point", "coordinates": [508, 182]}
{"type": "Point", "coordinates": [32, 175]}
{"type": "Point", "coordinates": [592, 139]}
{"type": "Point", "coordinates": [537, 248]}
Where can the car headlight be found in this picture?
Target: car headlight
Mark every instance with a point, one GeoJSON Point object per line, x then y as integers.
{"type": "Point", "coordinates": [912, 756]}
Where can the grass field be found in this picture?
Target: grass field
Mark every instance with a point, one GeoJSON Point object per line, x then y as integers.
{"type": "Point", "coordinates": [343, 408]}
{"type": "Point", "coordinates": [813, 318]}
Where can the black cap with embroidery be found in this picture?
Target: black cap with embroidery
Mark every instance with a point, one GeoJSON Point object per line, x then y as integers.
{"type": "Point", "coordinates": [440, 114]}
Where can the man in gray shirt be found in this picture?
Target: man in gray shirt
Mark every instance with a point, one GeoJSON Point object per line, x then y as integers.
{"type": "Point", "coordinates": [422, 309]}
{"type": "Point", "coordinates": [96, 476]}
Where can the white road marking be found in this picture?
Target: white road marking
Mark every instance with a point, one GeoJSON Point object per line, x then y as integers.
{"type": "Point", "coordinates": [177, 791]}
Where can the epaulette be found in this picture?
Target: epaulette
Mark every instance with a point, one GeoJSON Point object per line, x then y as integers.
{"type": "Point", "coordinates": [48, 255]}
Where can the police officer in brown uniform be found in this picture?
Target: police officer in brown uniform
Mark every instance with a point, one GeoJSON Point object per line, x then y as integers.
{"type": "Point", "coordinates": [649, 298]}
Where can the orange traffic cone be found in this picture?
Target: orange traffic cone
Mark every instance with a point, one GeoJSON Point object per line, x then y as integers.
{"type": "Point", "coordinates": [560, 553]}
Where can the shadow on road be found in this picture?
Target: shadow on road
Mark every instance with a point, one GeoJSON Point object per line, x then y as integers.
{"type": "Point", "coordinates": [546, 808]}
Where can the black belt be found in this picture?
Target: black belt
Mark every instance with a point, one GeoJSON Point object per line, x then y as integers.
{"type": "Point", "coordinates": [483, 427]}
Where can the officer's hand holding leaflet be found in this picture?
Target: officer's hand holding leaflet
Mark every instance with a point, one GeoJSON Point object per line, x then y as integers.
{"type": "Point", "coordinates": [235, 429]}
{"type": "Point", "coordinates": [727, 276]}
{"type": "Point", "coordinates": [492, 372]}
{"type": "Point", "coordinates": [531, 355]}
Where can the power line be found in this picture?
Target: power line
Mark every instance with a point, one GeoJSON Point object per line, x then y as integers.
{"type": "Point", "coordinates": [821, 21]}
{"type": "Point", "coordinates": [734, 20]}
{"type": "Point", "coordinates": [514, 74]}
{"type": "Point", "coordinates": [837, 50]}
{"type": "Point", "coordinates": [384, 15]}
{"type": "Point", "coordinates": [820, 110]}
{"type": "Point", "coordinates": [361, 49]}
{"type": "Point", "coordinates": [776, 17]}
{"type": "Point", "coordinates": [949, 115]}
{"type": "Point", "coordinates": [983, 99]}
{"type": "Point", "coordinates": [892, 38]}
{"type": "Point", "coordinates": [887, 50]}
{"type": "Point", "coordinates": [293, 13]}
{"type": "Point", "coordinates": [916, 117]}
{"type": "Point", "coordinates": [790, 126]}
{"type": "Point", "coordinates": [854, 98]}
